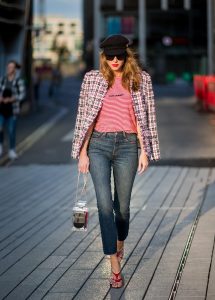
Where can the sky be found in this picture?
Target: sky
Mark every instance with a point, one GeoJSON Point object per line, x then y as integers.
{"type": "Point", "coordinates": [66, 8]}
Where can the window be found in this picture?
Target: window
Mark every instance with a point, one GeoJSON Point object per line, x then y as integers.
{"type": "Point", "coordinates": [175, 4]}
{"type": "Point", "coordinates": [153, 4]}
{"type": "Point", "coordinates": [127, 24]}
{"type": "Point", "coordinates": [200, 4]}
{"type": "Point", "coordinates": [108, 4]}
{"type": "Point", "coordinates": [113, 25]}
{"type": "Point", "coordinates": [120, 25]}
{"type": "Point", "coordinates": [130, 4]}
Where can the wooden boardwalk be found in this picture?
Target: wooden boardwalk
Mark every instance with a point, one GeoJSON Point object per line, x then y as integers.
{"type": "Point", "coordinates": [169, 253]}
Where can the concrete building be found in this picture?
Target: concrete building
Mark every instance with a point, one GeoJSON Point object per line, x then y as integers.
{"type": "Point", "coordinates": [15, 18]}
{"type": "Point", "coordinates": [63, 32]}
{"type": "Point", "coordinates": [174, 39]}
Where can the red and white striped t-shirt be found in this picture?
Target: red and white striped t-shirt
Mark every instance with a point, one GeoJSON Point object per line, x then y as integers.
{"type": "Point", "coordinates": [117, 112]}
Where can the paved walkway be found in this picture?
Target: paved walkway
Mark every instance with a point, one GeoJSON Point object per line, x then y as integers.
{"type": "Point", "coordinates": [169, 252]}
{"type": "Point", "coordinates": [186, 136]}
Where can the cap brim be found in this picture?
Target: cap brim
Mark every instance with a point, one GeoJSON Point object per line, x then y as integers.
{"type": "Point", "coordinates": [119, 51]}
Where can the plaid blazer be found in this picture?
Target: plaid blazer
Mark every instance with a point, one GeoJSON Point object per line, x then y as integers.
{"type": "Point", "coordinates": [93, 89]}
{"type": "Point", "coordinates": [18, 91]}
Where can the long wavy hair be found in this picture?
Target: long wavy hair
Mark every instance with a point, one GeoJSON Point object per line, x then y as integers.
{"type": "Point", "coordinates": [131, 72]}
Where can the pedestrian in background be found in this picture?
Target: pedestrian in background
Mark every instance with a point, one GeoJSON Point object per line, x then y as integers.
{"type": "Point", "coordinates": [36, 84]}
{"type": "Point", "coordinates": [12, 92]}
{"type": "Point", "coordinates": [116, 115]}
{"type": "Point", "coordinates": [55, 82]}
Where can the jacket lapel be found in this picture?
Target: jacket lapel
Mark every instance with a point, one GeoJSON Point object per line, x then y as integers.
{"type": "Point", "coordinates": [139, 104]}
{"type": "Point", "coordinates": [95, 98]}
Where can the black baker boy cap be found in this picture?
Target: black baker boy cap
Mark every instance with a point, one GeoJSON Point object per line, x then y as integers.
{"type": "Point", "coordinates": [115, 44]}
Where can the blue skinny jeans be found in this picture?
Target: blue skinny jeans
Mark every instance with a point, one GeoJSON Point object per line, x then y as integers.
{"type": "Point", "coordinates": [10, 122]}
{"type": "Point", "coordinates": [117, 150]}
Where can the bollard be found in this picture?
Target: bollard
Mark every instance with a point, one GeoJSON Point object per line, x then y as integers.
{"type": "Point", "coordinates": [199, 90]}
{"type": "Point", "coordinates": [210, 93]}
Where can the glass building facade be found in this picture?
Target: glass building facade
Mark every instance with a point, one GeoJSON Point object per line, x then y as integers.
{"type": "Point", "coordinates": [175, 33]}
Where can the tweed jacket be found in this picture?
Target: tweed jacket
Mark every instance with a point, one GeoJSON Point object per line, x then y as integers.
{"type": "Point", "coordinates": [93, 89]}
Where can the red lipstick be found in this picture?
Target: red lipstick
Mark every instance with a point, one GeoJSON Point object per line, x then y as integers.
{"type": "Point", "coordinates": [115, 65]}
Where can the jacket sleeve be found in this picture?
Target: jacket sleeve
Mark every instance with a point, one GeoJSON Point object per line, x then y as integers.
{"type": "Point", "coordinates": [152, 123]}
{"type": "Point", "coordinates": [21, 93]}
{"type": "Point", "coordinates": [80, 115]}
{"type": "Point", "coordinates": [1, 85]}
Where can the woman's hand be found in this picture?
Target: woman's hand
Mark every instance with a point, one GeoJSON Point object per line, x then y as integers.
{"type": "Point", "coordinates": [8, 100]}
{"type": "Point", "coordinates": [83, 163]}
{"type": "Point", "coordinates": [143, 162]}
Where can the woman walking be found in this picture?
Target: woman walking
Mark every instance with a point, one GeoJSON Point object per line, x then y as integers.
{"type": "Point", "coordinates": [116, 115]}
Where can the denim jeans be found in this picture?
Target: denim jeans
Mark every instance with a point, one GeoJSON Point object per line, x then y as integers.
{"type": "Point", "coordinates": [11, 128]}
{"type": "Point", "coordinates": [117, 151]}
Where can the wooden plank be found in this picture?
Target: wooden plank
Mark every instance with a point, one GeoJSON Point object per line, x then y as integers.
{"type": "Point", "coordinates": [11, 181]}
{"type": "Point", "coordinates": [20, 197]}
{"type": "Point", "coordinates": [22, 289]}
{"type": "Point", "coordinates": [22, 224]}
{"type": "Point", "coordinates": [207, 221]}
{"type": "Point", "coordinates": [9, 177]}
{"type": "Point", "coordinates": [38, 206]}
{"type": "Point", "coordinates": [164, 276]}
{"type": "Point", "coordinates": [211, 285]}
{"type": "Point", "coordinates": [38, 236]}
{"type": "Point", "coordinates": [78, 245]}
{"type": "Point", "coordinates": [193, 283]}
{"type": "Point", "coordinates": [24, 267]}
{"type": "Point", "coordinates": [39, 273]}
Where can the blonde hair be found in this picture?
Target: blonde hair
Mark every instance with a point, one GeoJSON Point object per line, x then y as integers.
{"type": "Point", "coordinates": [131, 72]}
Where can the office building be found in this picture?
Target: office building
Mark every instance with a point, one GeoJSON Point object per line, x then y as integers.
{"type": "Point", "coordinates": [15, 21]}
{"type": "Point", "coordinates": [61, 32]}
{"type": "Point", "coordinates": [172, 37]}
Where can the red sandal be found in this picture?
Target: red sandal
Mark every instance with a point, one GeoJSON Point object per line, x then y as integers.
{"type": "Point", "coordinates": [120, 254]}
{"type": "Point", "coordinates": [116, 280]}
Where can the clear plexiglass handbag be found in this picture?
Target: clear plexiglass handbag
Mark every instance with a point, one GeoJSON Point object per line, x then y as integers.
{"type": "Point", "coordinates": [80, 210]}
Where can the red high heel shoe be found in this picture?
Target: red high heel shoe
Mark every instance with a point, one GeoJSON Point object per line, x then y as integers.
{"type": "Point", "coordinates": [116, 280]}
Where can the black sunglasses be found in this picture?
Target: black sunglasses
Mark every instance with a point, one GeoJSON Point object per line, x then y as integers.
{"type": "Point", "coordinates": [119, 56]}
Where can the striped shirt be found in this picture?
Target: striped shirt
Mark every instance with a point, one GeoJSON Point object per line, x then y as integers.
{"type": "Point", "coordinates": [117, 112]}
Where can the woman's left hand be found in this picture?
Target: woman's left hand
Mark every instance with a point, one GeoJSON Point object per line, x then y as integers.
{"type": "Point", "coordinates": [143, 162]}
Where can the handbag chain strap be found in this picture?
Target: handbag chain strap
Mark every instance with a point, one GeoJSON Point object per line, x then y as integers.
{"type": "Point", "coordinates": [84, 188]}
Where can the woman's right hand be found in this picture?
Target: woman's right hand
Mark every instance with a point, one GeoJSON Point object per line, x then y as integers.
{"type": "Point", "coordinates": [83, 163]}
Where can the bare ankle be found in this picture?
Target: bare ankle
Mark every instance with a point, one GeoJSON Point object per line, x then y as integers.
{"type": "Point", "coordinates": [115, 265]}
{"type": "Point", "coordinates": [120, 245]}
